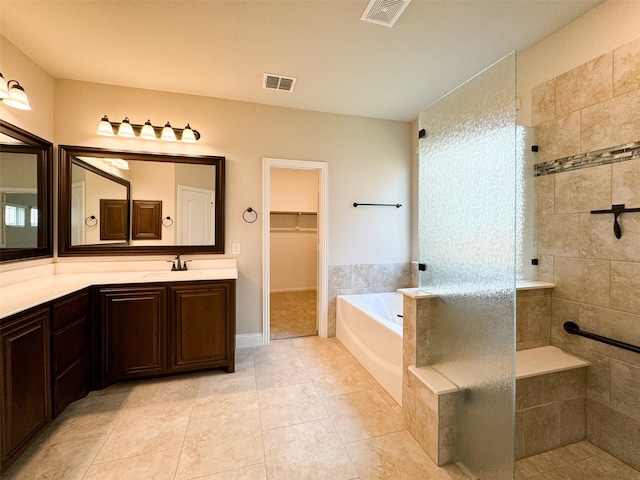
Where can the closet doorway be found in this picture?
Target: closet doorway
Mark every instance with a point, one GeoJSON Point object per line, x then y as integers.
{"type": "Point", "coordinates": [294, 254]}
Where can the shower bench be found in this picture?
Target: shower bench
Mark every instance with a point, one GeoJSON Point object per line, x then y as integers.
{"type": "Point", "coordinates": [550, 404]}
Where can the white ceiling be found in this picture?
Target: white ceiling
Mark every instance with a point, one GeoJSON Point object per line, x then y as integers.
{"type": "Point", "coordinates": [222, 48]}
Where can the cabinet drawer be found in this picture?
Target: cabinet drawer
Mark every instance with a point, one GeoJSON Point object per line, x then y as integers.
{"type": "Point", "coordinates": [70, 342]}
{"type": "Point", "coordinates": [72, 384]}
{"type": "Point", "coordinates": [70, 309]}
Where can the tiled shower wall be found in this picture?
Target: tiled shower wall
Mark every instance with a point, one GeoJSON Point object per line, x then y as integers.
{"type": "Point", "coordinates": [366, 278]}
{"type": "Point", "coordinates": [593, 107]}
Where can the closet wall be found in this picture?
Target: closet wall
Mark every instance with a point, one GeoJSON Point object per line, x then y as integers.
{"type": "Point", "coordinates": [294, 240]}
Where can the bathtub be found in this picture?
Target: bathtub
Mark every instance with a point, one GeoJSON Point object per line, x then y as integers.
{"type": "Point", "coordinates": [370, 327]}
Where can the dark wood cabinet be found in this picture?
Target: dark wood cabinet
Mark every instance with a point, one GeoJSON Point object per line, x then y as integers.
{"type": "Point", "coordinates": [71, 350]}
{"type": "Point", "coordinates": [164, 328]}
{"type": "Point", "coordinates": [133, 325]}
{"type": "Point", "coordinates": [203, 335]}
{"type": "Point", "coordinates": [114, 219]}
{"type": "Point", "coordinates": [146, 220]}
{"type": "Point", "coordinates": [25, 401]}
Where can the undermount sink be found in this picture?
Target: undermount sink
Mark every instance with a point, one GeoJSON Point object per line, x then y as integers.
{"type": "Point", "coordinates": [174, 274]}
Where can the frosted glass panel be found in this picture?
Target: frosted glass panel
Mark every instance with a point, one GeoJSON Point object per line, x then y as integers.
{"type": "Point", "coordinates": [467, 239]}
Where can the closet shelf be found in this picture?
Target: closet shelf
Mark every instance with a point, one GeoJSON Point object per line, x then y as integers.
{"type": "Point", "coordinates": [281, 212]}
{"type": "Point", "coordinates": [283, 229]}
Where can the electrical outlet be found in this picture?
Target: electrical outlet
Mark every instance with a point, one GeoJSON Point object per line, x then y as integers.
{"type": "Point", "coordinates": [235, 248]}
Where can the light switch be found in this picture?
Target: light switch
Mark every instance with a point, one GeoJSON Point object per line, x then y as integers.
{"type": "Point", "coordinates": [235, 248]}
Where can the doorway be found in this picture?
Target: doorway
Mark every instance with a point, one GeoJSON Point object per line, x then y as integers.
{"type": "Point", "coordinates": [294, 249]}
{"type": "Point", "coordinates": [196, 216]}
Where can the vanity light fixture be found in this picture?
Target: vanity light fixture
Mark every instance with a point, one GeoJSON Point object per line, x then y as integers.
{"type": "Point", "coordinates": [147, 131]}
{"type": "Point", "coordinates": [125, 129]}
{"type": "Point", "coordinates": [187, 135]}
{"type": "Point", "coordinates": [168, 134]}
{"type": "Point", "coordinates": [13, 95]}
{"type": "Point", "coordinates": [105, 128]}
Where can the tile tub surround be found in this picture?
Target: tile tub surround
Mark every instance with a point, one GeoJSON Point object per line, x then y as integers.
{"type": "Point", "coordinates": [365, 278]}
{"type": "Point", "coordinates": [593, 108]}
{"type": "Point", "coordinates": [300, 408]}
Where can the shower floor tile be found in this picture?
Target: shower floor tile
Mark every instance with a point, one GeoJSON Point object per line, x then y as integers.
{"type": "Point", "coordinates": [579, 461]}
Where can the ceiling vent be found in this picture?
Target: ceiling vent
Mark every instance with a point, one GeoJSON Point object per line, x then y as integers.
{"type": "Point", "coordinates": [384, 12]}
{"type": "Point", "coordinates": [278, 82]}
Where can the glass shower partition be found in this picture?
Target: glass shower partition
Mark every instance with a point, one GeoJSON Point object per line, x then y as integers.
{"type": "Point", "coordinates": [467, 241]}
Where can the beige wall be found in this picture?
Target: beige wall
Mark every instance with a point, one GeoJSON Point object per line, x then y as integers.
{"type": "Point", "coordinates": [369, 160]}
{"type": "Point", "coordinates": [37, 84]}
{"type": "Point", "coordinates": [591, 107]}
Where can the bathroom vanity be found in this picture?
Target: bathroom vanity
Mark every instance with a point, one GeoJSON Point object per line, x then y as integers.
{"type": "Point", "coordinates": [64, 335]}
{"type": "Point", "coordinates": [159, 329]}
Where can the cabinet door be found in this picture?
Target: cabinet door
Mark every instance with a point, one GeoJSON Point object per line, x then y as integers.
{"type": "Point", "coordinates": [71, 346]}
{"type": "Point", "coordinates": [133, 323]}
{"type": "Point", "coordinates": [203, 326]}
{"type": "Point", "coordinates": [25, 396]}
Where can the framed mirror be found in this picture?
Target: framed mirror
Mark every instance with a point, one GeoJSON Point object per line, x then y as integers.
{"type": "Point", "coordinates": [107, 198]}
{"type": "Point", "coordinates": [26, 195]}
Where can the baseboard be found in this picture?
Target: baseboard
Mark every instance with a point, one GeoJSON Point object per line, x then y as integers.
{"type": "Point", "coordinates": [245, 340]}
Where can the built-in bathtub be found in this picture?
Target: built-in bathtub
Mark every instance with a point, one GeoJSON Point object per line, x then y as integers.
{"type": "Point", "coordinates": [370, 326]}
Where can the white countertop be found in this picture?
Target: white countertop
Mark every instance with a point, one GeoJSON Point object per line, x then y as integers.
{"type": "Point", "coordinates": [40, 286]}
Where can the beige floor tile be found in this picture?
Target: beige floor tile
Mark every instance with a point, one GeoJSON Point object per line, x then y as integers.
{"type": "Point", "coordinates": [328, 358]}
{"type": "Point", "coordinates": [156, 466]}
{"type": "Point", "coordinates": [244, 358]}
{"type": "Point", "coordinates": [224, 404]}
{"type": "Point", "coordinates": [267, 364]}
{"type": "Point", "coordinates": [253, 472]}
{"type": "Point", "coordinates": [393, 456]}
{"type": "Point", "coordinates": [69, 427]}
{"type": "Point", "coordinates": [307, 451]}
{"type": "Point", "coordinates": [57, 461]}
{"type": "Point", "coordinates": [276, 350]}
{"type": "Point", "coordinates": [242, 426]}
{"type": "Point", "coordinates": [338, 380]}
{"type": "Point", "coordinates": [174, 389]}
{"type": "Point", "coordinates": [361, 415]}
{"type": "Point", "coordinates": [221, 443]}
{"type": "Point", "coordinates": [147, 429]}
{"type": "Point", "coordinates": [290, 405]}
{"type": "Point", "coordinates": [281, 377]}
{"type": "Point", "coordinates": [212, 385]}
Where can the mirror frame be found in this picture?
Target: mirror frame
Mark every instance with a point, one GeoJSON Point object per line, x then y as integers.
{"type": "Point", "coordinates": [45, 196]}
{"type": "Point", "coordinates": [66, 155]}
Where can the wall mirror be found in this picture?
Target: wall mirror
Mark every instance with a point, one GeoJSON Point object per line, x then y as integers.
{"type": "Point", "coordinates": [26, 197]}
{"type": "Point", "coordinates": [109, 199]}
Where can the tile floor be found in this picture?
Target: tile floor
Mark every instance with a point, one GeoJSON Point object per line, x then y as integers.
{"type": "Point", "coordinates": [297, 409]}
{"type": "Point", "coordinates": [293, 314]}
